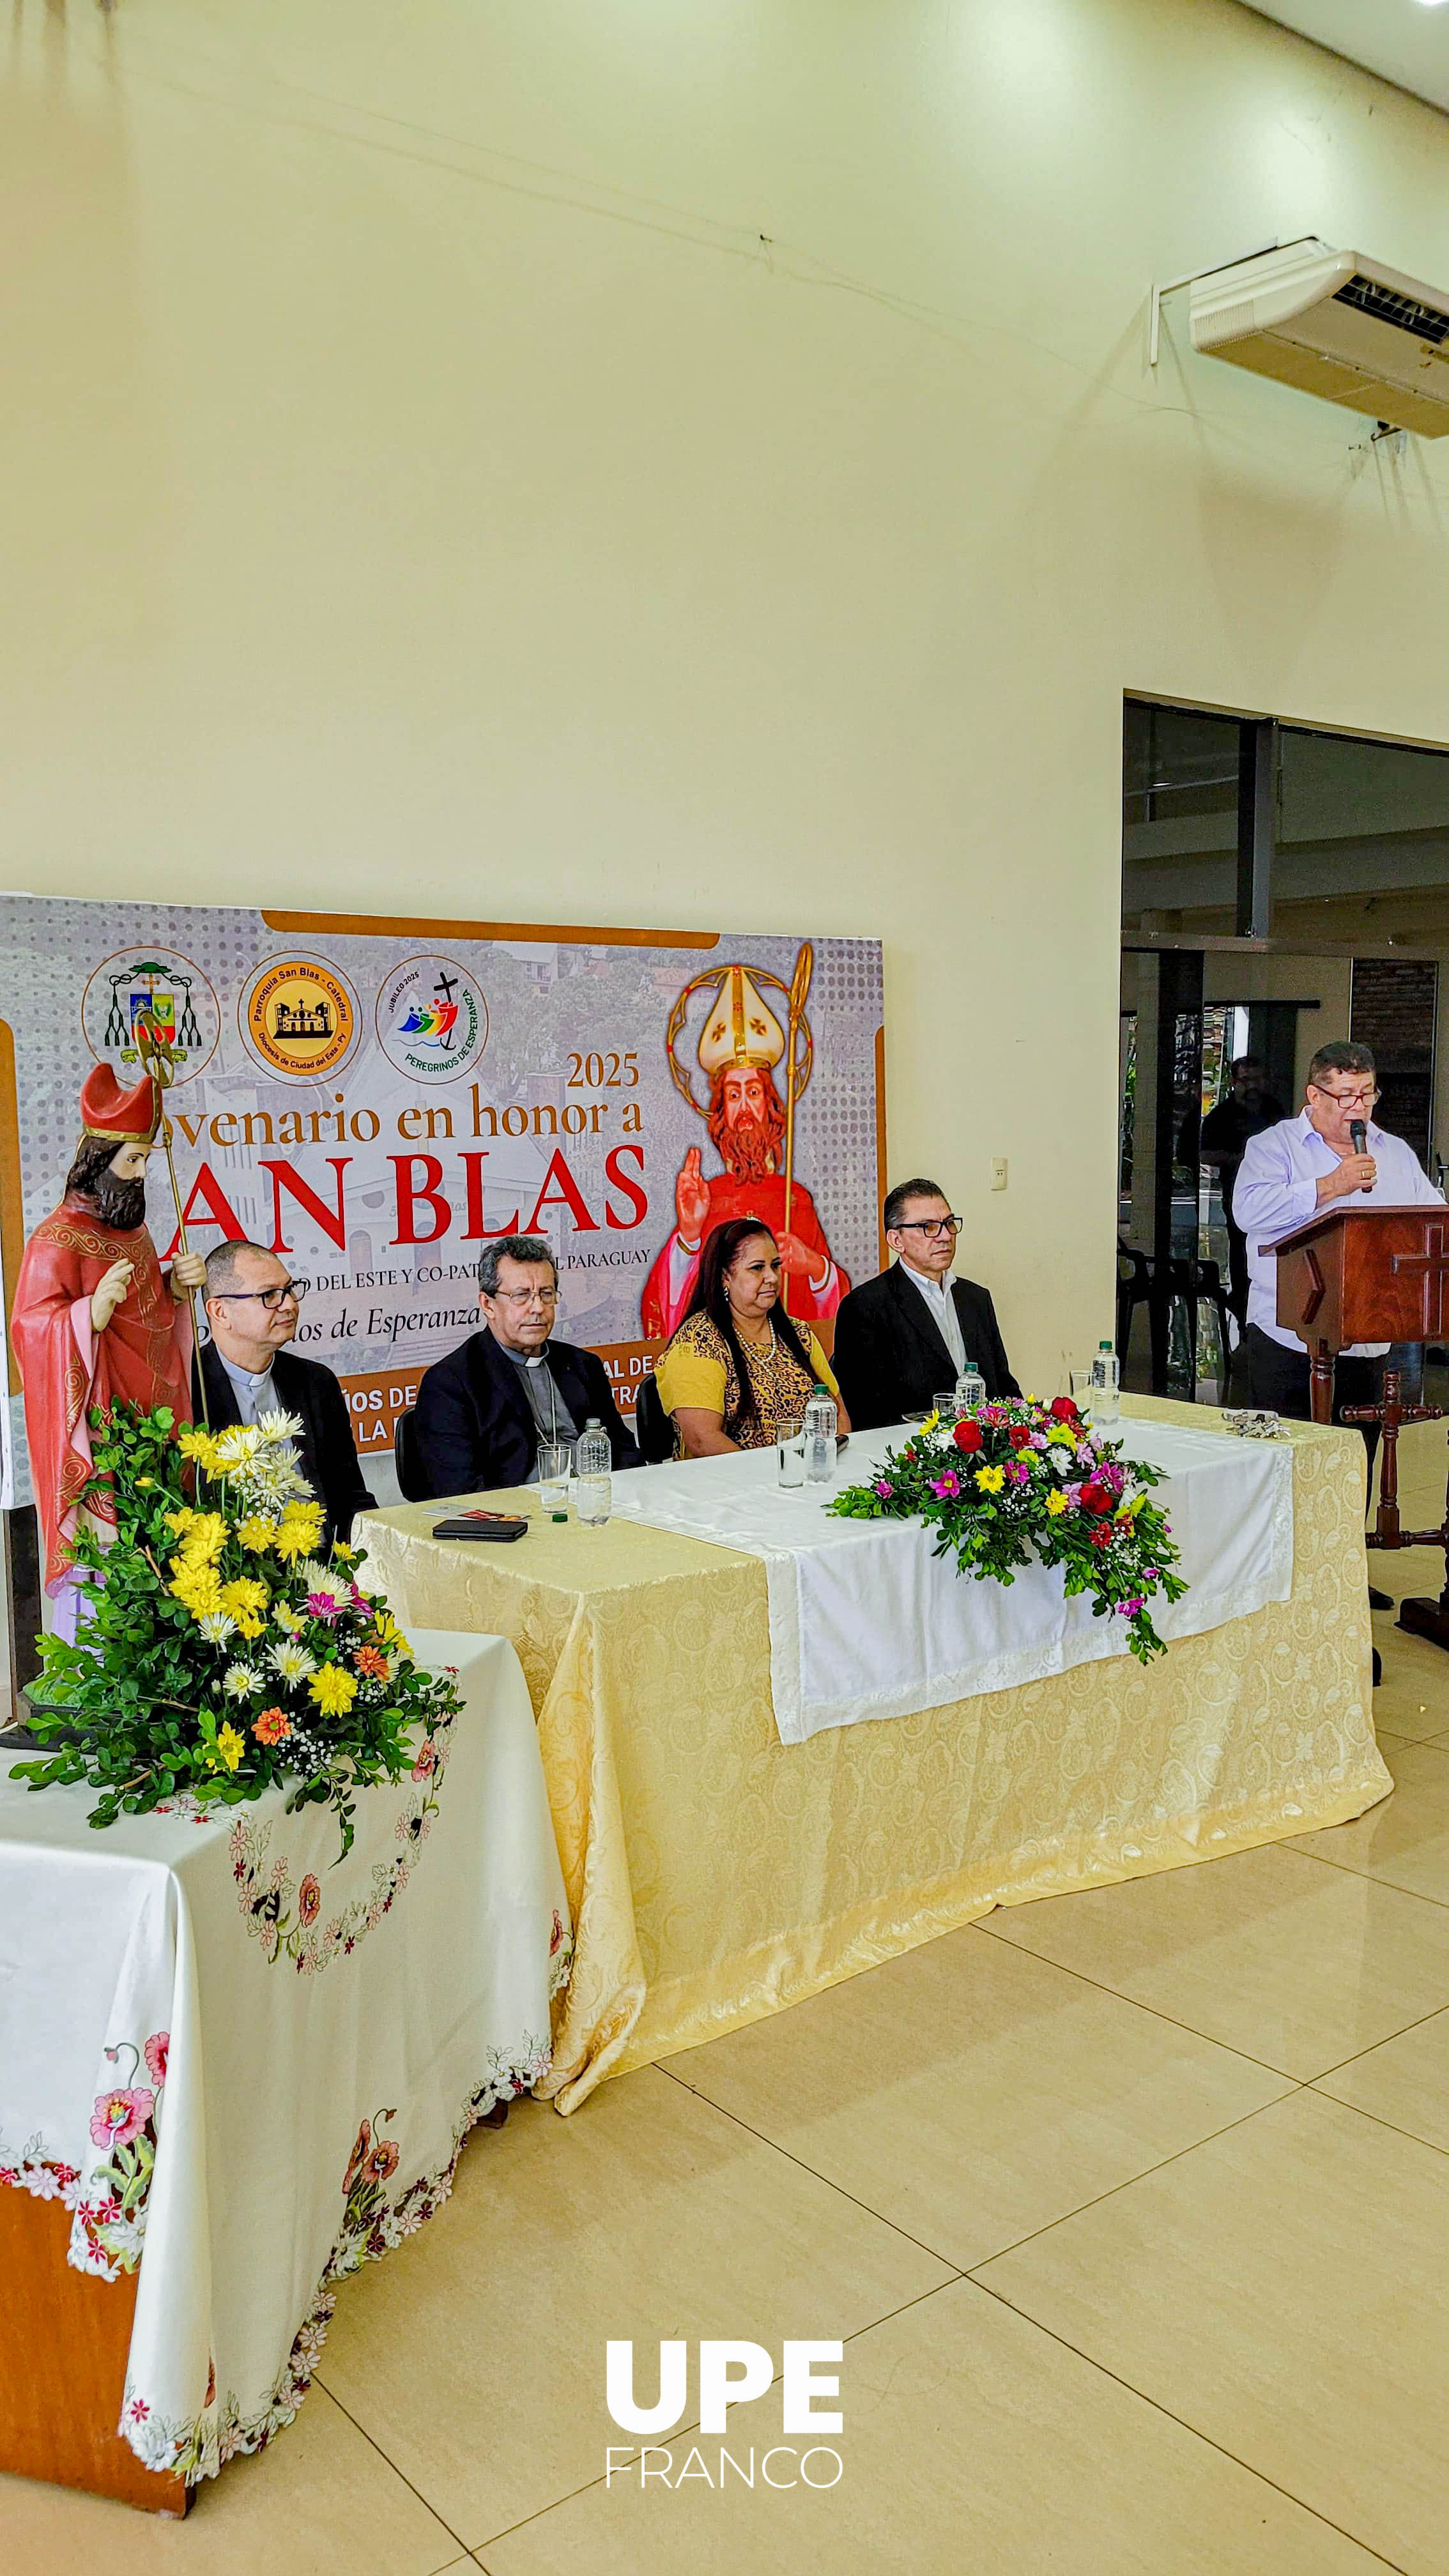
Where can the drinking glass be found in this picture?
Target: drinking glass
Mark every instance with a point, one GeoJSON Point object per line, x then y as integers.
{"type": "Point", "coordinates": [946, 1405]}
{"type": "Point", "coordinates": [555, 1458]}
{"type": "Point", "coordinates": [790, 1449]}
{"type": "Point", "coordinates": [1083, 1389]}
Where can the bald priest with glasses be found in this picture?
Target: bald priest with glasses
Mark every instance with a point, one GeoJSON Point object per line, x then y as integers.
{"type": "Point", "coordinates": [484, 1409]}
{"type": "Point", "coordinates": [903, 1338]}
{"type": "Point", "coordinates": [252, 1306]}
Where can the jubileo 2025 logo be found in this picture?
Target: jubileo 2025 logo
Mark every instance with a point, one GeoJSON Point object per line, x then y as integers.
{"type": "Point", "coordinates": [730, 2374]}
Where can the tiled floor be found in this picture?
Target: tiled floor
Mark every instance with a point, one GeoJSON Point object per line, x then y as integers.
{"type": "Point", "coordinates": [1131, 2209]}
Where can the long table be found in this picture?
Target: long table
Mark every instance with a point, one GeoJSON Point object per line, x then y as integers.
{"type": "Point", "coordinates": [716, 1874]}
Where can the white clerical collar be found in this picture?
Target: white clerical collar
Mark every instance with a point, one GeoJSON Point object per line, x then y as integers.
{"type": "Point", "coordinates": [243, 1376]}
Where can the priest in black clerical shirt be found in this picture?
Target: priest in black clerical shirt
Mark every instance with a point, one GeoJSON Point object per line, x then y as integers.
{"type": "Point", "coordinates": [482, 1411]}
{"type": "Point", "coordinates": [904, 1338]}
{"type": "Point", "coordinates": [247, 1370]}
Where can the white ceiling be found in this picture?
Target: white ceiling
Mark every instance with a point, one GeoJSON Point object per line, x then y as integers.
{"type": "Point", "coordinates": [1402, 39]}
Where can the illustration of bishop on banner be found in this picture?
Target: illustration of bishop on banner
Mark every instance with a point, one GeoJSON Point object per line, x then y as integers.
{"type": "Point", "coordinates": [753, 1131]}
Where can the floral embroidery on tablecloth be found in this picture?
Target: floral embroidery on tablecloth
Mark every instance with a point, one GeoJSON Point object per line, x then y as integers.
{"type": "Point", "coordinates": [45, 2177]}
{"type": "Point", "coordinates": [283, 1914]}
{"type": "Point", "coordinates": [108, 2230]}
{"type": "Point", "coordinates": [371, 2226]}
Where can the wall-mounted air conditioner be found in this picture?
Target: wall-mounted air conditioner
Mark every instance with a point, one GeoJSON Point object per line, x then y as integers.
{"type": "Point", "coordinates": [1336, 324]}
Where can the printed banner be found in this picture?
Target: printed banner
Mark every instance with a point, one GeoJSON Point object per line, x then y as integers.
{"type": "Point", "coordinates": [374, 1099]}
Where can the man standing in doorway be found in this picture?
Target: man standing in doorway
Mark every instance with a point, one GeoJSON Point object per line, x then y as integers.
{"type": "Point", "coordinates": [1287, 1174]}
{"type": "Point", "coordinates": [1246, 1108]}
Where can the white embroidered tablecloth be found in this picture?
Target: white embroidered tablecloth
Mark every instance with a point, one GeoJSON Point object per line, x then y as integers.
{"type": "Point", "coordinates": [259, 2067]}
{"type": "Point", "coordinates": [866, 1622]}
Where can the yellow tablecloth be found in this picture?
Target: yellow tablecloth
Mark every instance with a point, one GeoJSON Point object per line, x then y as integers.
{"type": "Point", "coordinates": [716, 1874]}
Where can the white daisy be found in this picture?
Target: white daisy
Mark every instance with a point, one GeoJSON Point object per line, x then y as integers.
{"type": "Point", "coordinates": [291, 1663]}
{"type": "Point", "coordinates": [236, 1445]}
{"type": "Point", "coordinates": [277, 1426]}
{"type": "Point", "coordinates": [216, 1626]}
{"type": "Point", "coordinates": [240, 1681]}
{"type": "Point", "coordinates": [315, 1577]}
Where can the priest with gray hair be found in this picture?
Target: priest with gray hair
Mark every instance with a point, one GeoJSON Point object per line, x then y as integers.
{"type": "Point", "coordinates": [252, 1306]}
{"type": "Point", "coordinates": [483, 1410]}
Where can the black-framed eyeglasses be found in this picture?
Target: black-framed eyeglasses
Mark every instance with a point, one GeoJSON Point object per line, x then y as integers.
{"type": "Point", "coordinates": [271, 1298]}
{"type": "Point", "coordinates": [929, 1225]}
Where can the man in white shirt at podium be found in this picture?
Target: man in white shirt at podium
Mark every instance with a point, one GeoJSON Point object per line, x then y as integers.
{"type": "Point", "coordinates": [1287, 1174]}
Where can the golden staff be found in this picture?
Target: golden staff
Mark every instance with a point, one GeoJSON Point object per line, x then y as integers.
{"type": "Point", "coordinates": [799, 995]}
{"type": "Point", "coordinates": [163, 1073]}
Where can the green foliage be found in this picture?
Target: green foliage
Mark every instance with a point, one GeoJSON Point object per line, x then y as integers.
{"type": "Point", "coordinates": [1023, 1483]}
{"type": "Point", "coordinates": [220, 1656]}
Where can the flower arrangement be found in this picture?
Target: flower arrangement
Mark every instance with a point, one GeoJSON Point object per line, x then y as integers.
{"type": "Point", "coordinates": [221, 1656]}
{"type": "Point", "coordinates": [1018, 1483]}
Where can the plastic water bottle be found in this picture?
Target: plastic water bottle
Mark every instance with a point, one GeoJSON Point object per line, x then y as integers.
{"type": "Point", "coordinates": [970, 1388]}
{"type": "Point", "coordinates": [820, 1421]}
{"type": "Point", "coordinates": [593, 1459]}
{"type": "Point", "coordinates": [1106, 1384]}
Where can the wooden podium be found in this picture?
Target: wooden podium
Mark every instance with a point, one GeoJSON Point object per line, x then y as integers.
{"type": "Point", "coordinates": [1375, 1274]}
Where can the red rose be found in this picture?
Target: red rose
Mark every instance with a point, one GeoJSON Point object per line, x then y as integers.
{"type": "Point", "coordinates": [1095, 1497]}
{"type": "Point", "coordinates": [1063, 1409]}
{"type": "Point", "coordinates": [967, 1436]}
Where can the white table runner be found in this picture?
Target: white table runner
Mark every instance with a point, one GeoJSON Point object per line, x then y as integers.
{"type": "Point", "coordinates": [865, 1622]}
{"type": "Point", "coordinates": [216, 2044]}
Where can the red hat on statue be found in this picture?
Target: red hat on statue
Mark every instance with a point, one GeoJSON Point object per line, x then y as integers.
{"type": "Point", "coordinates": [129, 1117]}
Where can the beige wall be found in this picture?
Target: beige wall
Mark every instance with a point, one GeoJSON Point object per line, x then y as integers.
{"type": "Point", "coordinates": [691, 465]}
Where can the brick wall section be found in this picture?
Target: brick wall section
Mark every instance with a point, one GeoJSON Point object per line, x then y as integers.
{"type": "Point", "coordinates": [1393, 1007]}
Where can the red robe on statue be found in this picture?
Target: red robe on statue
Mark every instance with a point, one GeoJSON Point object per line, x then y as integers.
{"type": "Point", "coordinates": [143, 1357]}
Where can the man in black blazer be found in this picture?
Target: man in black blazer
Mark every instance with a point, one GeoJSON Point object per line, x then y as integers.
{"type": "Point", "coordinates": [482, 1411]}
{"type": "Point", "coordinates": [904, 1337]}
{"type": "Point", "coordinates": [251, 1306]}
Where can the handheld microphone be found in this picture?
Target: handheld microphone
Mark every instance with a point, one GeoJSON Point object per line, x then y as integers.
{"type": "Point", "coordinates": [1358, 1136]}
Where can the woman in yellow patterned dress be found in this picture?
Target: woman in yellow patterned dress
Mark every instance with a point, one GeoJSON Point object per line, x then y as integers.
{"type": "Point", "coordinates": [738, 1366]}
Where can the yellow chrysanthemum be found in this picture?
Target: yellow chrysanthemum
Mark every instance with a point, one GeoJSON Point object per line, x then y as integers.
{"type": "Point", "coordinates": [292, 1541]}
{"type": "Point", "coordinates": [930, 1423]}
{"type": "Point", "coordinates": [197, 1588]}
{"type": "Point", "coordinates": [1063, 1435]}
{"type": "Point", "coordinates": [181, 1520]}
{"type": "Point", "coordinates": [204, 1538]}
{"type": "Point", "coordinates": [1056, 1503]}
{"type": "Point", "coordinates": [344, 1554]}
{"type": "Point", "coordinates": [256, 1532]}
{"type": "Point", "coordinates": [333, 1690]}
{"type": "Point", "coordinates": [195, 1443]}
{"type": "Point", "coordinates": [228, 1750]}
{"type": "Point", "coordinates": [990, 1479]}
{"type": "Point", "coordinates": [244, 1593]}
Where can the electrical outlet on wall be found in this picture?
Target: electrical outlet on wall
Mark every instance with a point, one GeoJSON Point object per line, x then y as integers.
{"type": "Point", "coordinates": [998, 1172]}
